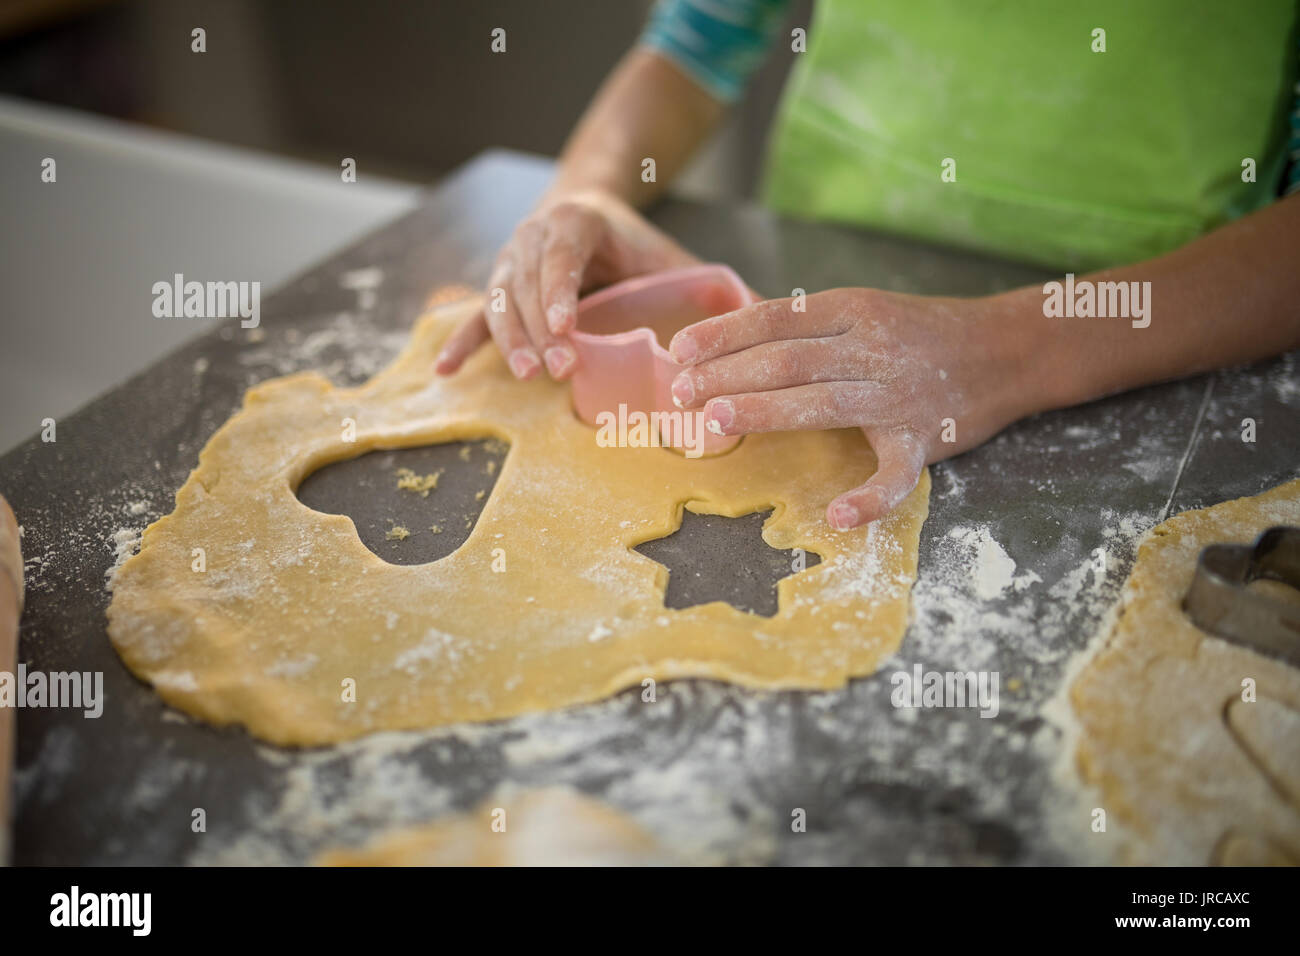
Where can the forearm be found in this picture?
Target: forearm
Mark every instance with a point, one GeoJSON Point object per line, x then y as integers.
{"type": "Point", "coordinates": [1230, 297]}
{"type": "Point", "coordinates": [646, 109]}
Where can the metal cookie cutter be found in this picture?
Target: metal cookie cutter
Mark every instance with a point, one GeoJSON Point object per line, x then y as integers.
{"type": "Point", "coordinates": [622, 336]}
{"type": "Point", "coordinates": [1220, 602]}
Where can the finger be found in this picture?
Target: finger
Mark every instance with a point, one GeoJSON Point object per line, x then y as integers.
{"type": "Point", "coordinates": [804, 407]}
{"type": "Point", "coordinates": [753, 325]}
{"type": "Point", "coordinates": [571, 239]}
{"type": "Point", "coordinates": [527, 256]}
{"type": "Point", "coordinates": [461, 344]}
{"type": "Point", "coordinates": [765, 367]}
{"type": "Point", "coordinates": [507, 328]}
{"type": "Point", "coordinates": [900, 456]}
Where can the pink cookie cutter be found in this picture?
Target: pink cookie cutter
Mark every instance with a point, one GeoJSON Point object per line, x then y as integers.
{"type": "Point", "coordinates": [622, 337]}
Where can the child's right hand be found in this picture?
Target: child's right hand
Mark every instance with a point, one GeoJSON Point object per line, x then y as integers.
{"type": "Point", "coordinates": [568, 245]}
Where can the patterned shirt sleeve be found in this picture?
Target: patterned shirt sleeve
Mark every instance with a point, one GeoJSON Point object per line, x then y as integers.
{"type": "Point", "coordinates": [718, 43]}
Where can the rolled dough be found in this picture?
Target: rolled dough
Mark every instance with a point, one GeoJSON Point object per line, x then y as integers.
{"type": "Point", "coordinates": [551, 827]}
{"type": "Point", "coordinates": [1196, 773]}
{"type": "Point", "coordinates": [298, 632]}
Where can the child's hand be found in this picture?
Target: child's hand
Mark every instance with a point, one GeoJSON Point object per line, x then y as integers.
{"type": "Point", "coordinates": [568, 245]}
{"type": "Point", "coordinates": [897, 366]}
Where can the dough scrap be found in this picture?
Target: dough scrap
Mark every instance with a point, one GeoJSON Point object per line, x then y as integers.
{"type": "Point", "coordinates": [1198, 774]}
{"type": "Point", "coordinates": [552, 827]}
{"type": "Point", "coordinates": [294, 613]}
{"type": "Point", "coordinates": [408, 480]}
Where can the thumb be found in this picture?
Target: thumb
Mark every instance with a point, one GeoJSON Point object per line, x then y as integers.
{"type": "Point", "coordinates": [461, 344]}
{"type": "Point", "coordinates": [900, 457]}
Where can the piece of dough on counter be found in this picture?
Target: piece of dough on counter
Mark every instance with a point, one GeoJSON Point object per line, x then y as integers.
{"type": "Point", "coordinates": [297, 631]}
{"type": "Point", "coordinates": [552, 827]}
{"type": "Point", "coordinates": [1196, 773]}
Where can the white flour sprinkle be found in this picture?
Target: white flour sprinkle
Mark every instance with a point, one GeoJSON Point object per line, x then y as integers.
{"type": "Point", "coordinates": [436, 645]}
{"type": "Point", "coordinates": [292, 667]}
{"type": "Point", "coordinates": [992, 570]}
{"type": "Point", "coordinates": [176, 680]}
{"type": "Point", "coordinates": [126, 542]}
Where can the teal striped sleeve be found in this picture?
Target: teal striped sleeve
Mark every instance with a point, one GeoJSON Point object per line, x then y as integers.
{"type": "Point", "coordinates": [719, 43]}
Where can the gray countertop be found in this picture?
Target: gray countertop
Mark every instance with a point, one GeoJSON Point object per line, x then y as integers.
{"type": "Point", "coordinates": [132, 206]}
{"type": "Point", "coordinates": [1028, 541]}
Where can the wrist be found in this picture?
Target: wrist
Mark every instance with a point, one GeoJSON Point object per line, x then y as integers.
{"type": "Point", "coordinates": [568, 191]}
{"type": "Point", "coordinates": [1040, 374]}
{"type": "Point", "coordinates": [593, 180]}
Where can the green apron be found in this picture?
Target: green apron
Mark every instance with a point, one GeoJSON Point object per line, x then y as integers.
{"type": "Point", "coordinates": [1062, 156]}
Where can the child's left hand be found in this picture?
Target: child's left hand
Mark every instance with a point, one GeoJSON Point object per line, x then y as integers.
{"type": "Point", "coordinates": [896, 366]}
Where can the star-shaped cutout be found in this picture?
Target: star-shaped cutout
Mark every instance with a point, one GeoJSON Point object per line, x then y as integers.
{"type": "Point", "coordinates": [712, 558]}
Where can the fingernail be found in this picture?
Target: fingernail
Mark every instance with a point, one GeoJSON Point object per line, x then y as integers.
{"type": "Point", "coordinates": [684, 350]}
{"type": "Point", "coordinates": [721, 414]}
{"type": "Point", "coordinates": [559, 359]}
{"type": "Point", "coordinates": [557, 318]}
{"type": "Point", "coordinates": [844, 517]}
{"type": "Point", "coordinates": [683, 391]}
{"type": "Point", "coordinates": [523, 362]}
